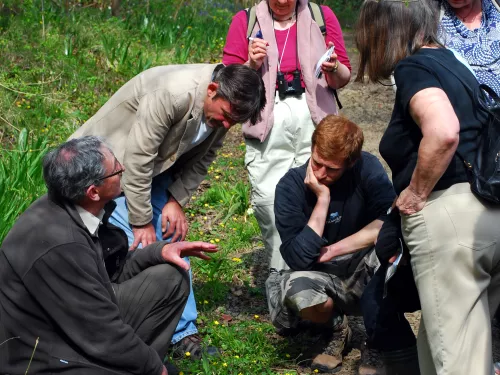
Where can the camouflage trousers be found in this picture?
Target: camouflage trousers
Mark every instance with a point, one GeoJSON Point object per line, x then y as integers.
{"type": "Point", "coordinates": [289, 292]}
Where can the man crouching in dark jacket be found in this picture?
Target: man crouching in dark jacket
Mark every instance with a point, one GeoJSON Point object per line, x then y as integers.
{"type": "Point", "coordinates": [69, 286]}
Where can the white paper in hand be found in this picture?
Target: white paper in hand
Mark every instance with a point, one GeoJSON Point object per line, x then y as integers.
{"type": "Point", "coordinates": [322, 59]}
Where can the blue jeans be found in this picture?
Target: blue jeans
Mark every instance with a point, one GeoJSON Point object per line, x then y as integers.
{"type": "Point", "coordinates": [159, 197]}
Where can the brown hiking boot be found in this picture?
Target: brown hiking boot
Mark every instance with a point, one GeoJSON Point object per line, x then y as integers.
{"type": "Point", "coordinates": [339, 342]}
{"type": "Point", "coordinates": [371, 362]}
{"type": "Point", "coordinates": [192, 344]}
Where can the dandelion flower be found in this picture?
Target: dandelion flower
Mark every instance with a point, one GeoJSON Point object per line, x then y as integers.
{"type": "Point", "coordinates": [187, 354]}
{"type": "Point", "coordinates": [256, 316]}
{"type": "Point", "coordinates": [224, 364]}
{"type": "Point", "coordinates": [212, 241]}
{"type": "Point", "coordinates": [216, 322]}
{"type": "Point", "coordinates": [316, 370]}
{"type": "Point", "coordinates": [217, 240]}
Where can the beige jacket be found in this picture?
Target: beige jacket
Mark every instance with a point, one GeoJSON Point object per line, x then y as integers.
{"type": "Point", "coordinates": [148, 123]}
{"type": "Point", "coordinates": [311, 46]}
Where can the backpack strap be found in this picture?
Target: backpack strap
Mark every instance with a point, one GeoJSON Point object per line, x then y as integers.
{"type": "Point", "coordinates": [318, 16]}
{"type": "Point", "coordinates": [496, 3]}
{"type": "Point", "coordinates": [251, 19]}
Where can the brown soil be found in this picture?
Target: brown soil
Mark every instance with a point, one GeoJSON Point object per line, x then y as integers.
{"type": "Point", "coordinates": [370, 106]}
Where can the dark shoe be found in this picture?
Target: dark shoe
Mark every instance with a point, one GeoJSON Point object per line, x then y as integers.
{"type": "Point", "coordinates": [338, 344]}
{"type": "Point", "coordinates": [171, 369]}
{"type": "Point", "coordinates": [192, 344]}
{"type": "Point", "coordinates": [402, 362]}
{"type": "Point", "coordinates": [371, 362]}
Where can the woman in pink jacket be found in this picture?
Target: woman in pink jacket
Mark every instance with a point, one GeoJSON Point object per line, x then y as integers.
{"type": "Point", "coordinates": [285, 45]}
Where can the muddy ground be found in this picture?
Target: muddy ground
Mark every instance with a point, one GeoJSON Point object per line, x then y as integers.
{"type": "Point", "coordinates": [370, 106]}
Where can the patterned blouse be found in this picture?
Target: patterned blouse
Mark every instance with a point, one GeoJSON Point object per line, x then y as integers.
{"type": "Point", "coordinates": [480, 47]}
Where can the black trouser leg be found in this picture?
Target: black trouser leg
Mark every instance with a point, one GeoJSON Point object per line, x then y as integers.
{"type": "Point", "coordinates": [385, 323]}
{"type": "Point", "coordinates": [152, 303]}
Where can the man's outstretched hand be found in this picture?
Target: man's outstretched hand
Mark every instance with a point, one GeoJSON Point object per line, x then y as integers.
{"type": "Point", "coordinates": [174, 252]}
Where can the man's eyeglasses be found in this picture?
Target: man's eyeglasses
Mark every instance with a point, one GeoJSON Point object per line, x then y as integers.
{"type": "Point", "coordinates": [120, 171]}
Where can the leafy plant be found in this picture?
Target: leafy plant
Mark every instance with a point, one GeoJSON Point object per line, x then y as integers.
{"type": "Point", "coordinates": [21, 180]}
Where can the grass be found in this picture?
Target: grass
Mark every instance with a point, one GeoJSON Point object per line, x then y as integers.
{"type": "Point", "coordinates": [59, 67]}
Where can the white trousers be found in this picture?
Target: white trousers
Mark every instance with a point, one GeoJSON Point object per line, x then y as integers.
{"type": "Point", "coordinates": [288, 145]}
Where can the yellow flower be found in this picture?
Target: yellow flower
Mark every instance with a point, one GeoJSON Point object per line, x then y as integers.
{"type": "Point", "coordinates": [181, 373]}
{"type": "Point", "coordinates": [205, 302]}
{"type": "Point", "coordinates": [204, 218]}
{"type": "Point", "coordinates": [316, 370]}
{"type": "Point", "coordinates": [222, 225]}
{"type": "Point", "coordinates": [234, 228]}
{"type": "Point", "coordinates": [212, 241]}
{"type": "Point", "coordinates": [237, 260]}
{"type": "Point", "coordinates": [221, 201]}
{"type": "Point", "coordinates": [217, 240]}
{"type": "Point", "coordinates": [201, 232]}
{"type": "Point", "coordinates": [206, 205]}
{"type": "Point", "coordinates": [256, 316]}
{"type": "Point", "coordinates": [217, 177]}
{"type": "Point", "coordinates": [224, 364]}
{"type": "Point", "coordinates": [194, 198]}
{"type": "Point", "coordinates": [216, 322]}
{"type": "Point", "coordinates": [237, 356]}
{"type": "Point", "coordinates": [287, 355]}
{"type": "Point", "coordinates": [192, 214]}
{"type": "Point", "coordinates": [242, 144]}
{"type": "Point", "coordinates": [187, 354]}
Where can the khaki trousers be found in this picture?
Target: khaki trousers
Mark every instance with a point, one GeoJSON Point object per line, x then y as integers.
{"type": "Point", "coordinates": [454, 244]}
{"type": "Point", "coordinates": [288, 145]}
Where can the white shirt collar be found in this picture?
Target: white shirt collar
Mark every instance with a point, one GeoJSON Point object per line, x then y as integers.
{"type": "Point", "coordinates": [91, 222]}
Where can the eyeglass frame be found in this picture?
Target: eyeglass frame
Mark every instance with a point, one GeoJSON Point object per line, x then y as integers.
{"type": "Point", "coordinates": [120, 171]}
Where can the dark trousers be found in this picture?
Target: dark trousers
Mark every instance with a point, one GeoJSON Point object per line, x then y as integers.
{"type": "Point", "coordinates": [385, 323]}
{"type": "Point", "coordinates": [152, 302]}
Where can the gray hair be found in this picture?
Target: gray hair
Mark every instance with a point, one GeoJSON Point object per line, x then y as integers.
{"type": "Point", "coordinates": [71, 168]}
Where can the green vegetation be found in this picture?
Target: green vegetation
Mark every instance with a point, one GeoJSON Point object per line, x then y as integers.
{"type": "Point", "coordinates": [59, 65]}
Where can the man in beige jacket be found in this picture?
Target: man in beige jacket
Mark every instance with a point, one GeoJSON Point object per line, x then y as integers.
{"type": "Point", "coordinates": [165, 126]}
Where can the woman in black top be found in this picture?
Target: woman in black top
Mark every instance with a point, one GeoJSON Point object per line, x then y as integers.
{"type": "Point", "coordinates": [452, 236]}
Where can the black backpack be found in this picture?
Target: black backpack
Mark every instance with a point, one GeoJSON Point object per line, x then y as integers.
{"type": "Point", "coordinates": [484, 171]}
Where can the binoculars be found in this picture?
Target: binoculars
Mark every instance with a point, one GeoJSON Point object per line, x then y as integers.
{"type": "Point", "coordinates": [289, 88]}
